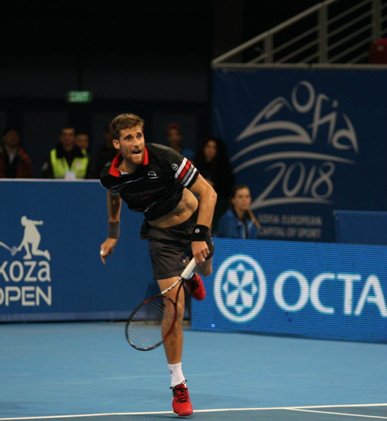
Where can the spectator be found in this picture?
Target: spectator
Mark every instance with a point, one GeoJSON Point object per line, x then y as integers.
{"type": "Point", "coordinates": [14, 162]}
{"type": "Point", "coordinates": [107, 152]}
{"type": "Point", "coordinates": [67, 160]}
{"type": "Point", "coordinates": [174, 136]}
{"type": "Point", "coordinates": [378, 51]}
{"type": "Point", "coordinates": [212, 162]}
{"type": "Point", "coordinates": [239, 221]}
{"type": "Point", "coordinates": [82, 140]}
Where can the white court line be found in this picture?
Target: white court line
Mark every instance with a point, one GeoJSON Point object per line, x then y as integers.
{"type": "Point", "coordinates": [339, 406]}
{"type": "Point", "coordinates": [337, 413]}
{"type": "Point", "coordinates": [289, 408]}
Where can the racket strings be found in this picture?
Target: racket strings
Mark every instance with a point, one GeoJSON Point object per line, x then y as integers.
{"type": "Point", "coordinates": [149, 324]}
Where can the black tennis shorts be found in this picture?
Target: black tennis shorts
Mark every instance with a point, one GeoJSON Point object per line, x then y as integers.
{"type": "Point", "coordinates": [170, 246]}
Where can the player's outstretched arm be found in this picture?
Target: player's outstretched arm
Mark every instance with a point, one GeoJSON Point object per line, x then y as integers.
{"type": "Point", "coordinates": [114, 202]}
{"type": "Point", "coordinates": [207, 204]}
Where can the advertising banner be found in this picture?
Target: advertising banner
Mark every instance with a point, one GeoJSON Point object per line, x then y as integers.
{"type": "Point", "coordinates": [361, 227]}
{"type": "Point", "coordinates": [312, 290]}
{"type": "Point", "coordinates": [306, 142]}
{"type": "Point", "coordinates": [50, 268]}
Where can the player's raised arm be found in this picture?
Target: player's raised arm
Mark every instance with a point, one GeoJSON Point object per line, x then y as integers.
{"type": "Point", "coordinates": [207, 204]}
{"type": "Point", "coordinates": [114, 210]}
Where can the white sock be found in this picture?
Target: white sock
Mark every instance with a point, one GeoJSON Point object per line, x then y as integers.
{"type": "Point", "coordinates": [177, 375]}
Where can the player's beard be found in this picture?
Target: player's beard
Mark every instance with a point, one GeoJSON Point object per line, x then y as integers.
{"type": "Point", "coordinates": [135, 159]}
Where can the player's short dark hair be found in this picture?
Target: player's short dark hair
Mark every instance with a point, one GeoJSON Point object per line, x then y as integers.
{"type": "Point", "coordinates": [125, 121]}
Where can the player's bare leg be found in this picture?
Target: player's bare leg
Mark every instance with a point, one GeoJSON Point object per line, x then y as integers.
{"type": "Point", "coordinates": [174, 344]}
{"type": "Point", "coordinates": [181, 402]}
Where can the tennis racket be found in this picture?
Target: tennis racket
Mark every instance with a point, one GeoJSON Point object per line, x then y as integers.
{"type": "Point", "coordinates": [150, 324]}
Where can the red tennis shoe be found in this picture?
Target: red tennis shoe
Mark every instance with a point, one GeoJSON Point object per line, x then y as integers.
{"type": "Point", "coordinates": [181, 402]}
{"type": "Point", "coordinates": [196, 288]}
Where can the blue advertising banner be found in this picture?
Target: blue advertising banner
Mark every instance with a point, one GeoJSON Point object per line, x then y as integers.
{"type": "Point", "coordinates": [307, 142]}
{"type": "Point", "coordinates": [313, 290]}
{"type": "Point", "coordinates": [50, 268]}
{"type": "Point", "coordinates": [361, 227]}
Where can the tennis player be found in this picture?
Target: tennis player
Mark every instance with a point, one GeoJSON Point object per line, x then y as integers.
{"type": "Point", "coordinates": [161, 183]}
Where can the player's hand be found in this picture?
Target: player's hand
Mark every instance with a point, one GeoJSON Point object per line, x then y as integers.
{"type": "Point", "coordinates": [107, 248]}
{"type": "Point", "coordinates": [200, 251]}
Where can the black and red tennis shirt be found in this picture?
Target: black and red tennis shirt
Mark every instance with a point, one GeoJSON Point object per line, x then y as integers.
{"type": "Point", "coordinates": [156, 187]}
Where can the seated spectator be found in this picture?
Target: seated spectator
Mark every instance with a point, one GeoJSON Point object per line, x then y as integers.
{"type": "Point", "coordinates": [213, 163]}
{"type": "Point", "coordinates": [174, 137]}
{"type": "Point", "coordinates": [107, 152]}
{"type": "Point", "coordinates": [67, 160]}
{"type": "Point", "coordinates": [82, 140]}
{"type": "Point", "coordinates": [239, 221]}
{"type": "Point", "coordinates": [14, 162]}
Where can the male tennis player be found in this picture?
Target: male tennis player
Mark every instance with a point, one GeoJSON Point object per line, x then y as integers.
{"type": "Point", "coordinates": [161, 183]}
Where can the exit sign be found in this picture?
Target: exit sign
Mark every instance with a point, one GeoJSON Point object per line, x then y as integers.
{"type": "Point", "coordinates": [79, 96]}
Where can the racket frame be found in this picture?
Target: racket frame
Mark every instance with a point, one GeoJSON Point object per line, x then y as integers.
{"type": "Point", "coordinates": [184, 276]}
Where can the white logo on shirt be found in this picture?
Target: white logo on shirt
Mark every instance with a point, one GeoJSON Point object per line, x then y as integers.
{"type": "Point", "coordinates": [174, 167]}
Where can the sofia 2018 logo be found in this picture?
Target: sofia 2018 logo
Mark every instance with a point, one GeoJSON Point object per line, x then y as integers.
{"type": "Point", "coordinates": [305, 175]}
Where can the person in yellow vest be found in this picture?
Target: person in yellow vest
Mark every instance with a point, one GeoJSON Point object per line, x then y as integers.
{"type": "Point", "coordinates": [67, 160]}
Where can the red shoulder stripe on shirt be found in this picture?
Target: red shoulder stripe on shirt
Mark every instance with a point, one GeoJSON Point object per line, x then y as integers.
{"type": "Point", "coordinates": [146, 157]}
{"type": "Point", "coordinates": [184, 171]}
{"type": "Point", "coordinates": [113, 168]}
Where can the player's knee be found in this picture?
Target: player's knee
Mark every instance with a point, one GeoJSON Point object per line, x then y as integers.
{"type": "Point", "coordinates": [179, 311]}
{"type": "Point", "coordinates": [169, 307]}
{"type": "Point", "coordinates": [169, 313]}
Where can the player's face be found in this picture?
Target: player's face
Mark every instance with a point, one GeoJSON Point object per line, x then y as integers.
{"type": "Point", "coordinates": [131, 144]}
{"type": "Point", "coordinates": [242, 199]}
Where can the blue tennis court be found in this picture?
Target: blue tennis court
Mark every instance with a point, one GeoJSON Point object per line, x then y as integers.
{"type": "Point", "coordinates": [87, 370]}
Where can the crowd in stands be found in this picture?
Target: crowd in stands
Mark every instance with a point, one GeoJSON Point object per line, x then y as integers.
{"type": "Point", "coordinates": [70, 159]}
{"type": "Point", "coordinates": [14, 162]}
{"type": "Point", "coordinates": [67, 160]}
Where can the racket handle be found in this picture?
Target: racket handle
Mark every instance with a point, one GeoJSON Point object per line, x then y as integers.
{"type": "Point", "coordinates": [189, 269]}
